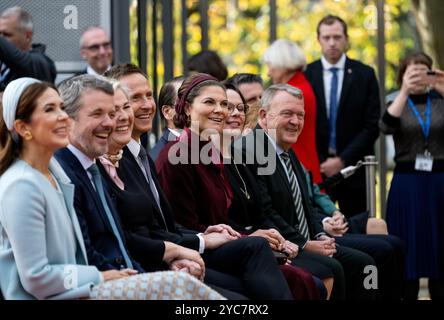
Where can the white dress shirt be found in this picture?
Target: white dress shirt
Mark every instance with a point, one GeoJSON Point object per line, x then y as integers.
{"type": "Point", "coordinates": [91, 71]}
{"type": "Point", "coordinates": [175, 132]}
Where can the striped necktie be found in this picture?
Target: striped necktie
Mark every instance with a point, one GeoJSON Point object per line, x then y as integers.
{"type": "Point", "coordinates": [297, 197]}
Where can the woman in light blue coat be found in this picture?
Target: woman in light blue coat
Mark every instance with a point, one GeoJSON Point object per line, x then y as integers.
{"type": "Point", "coordinates": [41, 242]}
{"type": "Point", "coordinates": [42, 254]}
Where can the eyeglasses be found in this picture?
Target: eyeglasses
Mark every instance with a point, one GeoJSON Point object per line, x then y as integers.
{"type": "Point", "coordinates": [241, 107]}
{"type": "Point", "coordinates": [96, 47]}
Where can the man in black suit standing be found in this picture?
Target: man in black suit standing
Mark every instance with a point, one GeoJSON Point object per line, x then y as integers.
{"type": "Point", "coordinates": [348, 110]}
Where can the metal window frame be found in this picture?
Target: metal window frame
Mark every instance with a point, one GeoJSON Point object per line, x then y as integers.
{"type": "Point", "coordinates": [120, 30]}
{"type": "Point", "coordinates": [380, 4]}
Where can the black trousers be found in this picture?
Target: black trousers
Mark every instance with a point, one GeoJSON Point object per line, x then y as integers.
{"type": "Point", "coordinates": [229, 286]}
{"type": "Point", "coordinates": [388, 253]}
{"type": "Point", "coordinates": [323, 267]}
{"type": "Point", "coordinates": [250, 261]}
{"type": "Point", "coordinates": [436, 289]}
{"type": "Point", "coordinates": [347, 268]}
{"type": "Point", "coordinates": [350, 194]}
{"type": "Point", "coordinates": [357, 224]}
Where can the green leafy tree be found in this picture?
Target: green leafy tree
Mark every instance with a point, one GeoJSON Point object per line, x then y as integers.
{"type": "Point", "coordinates": [239, 31]}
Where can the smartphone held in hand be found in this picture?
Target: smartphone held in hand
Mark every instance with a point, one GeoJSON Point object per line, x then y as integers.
{"type": "Point", "coordinates": [281, 257]}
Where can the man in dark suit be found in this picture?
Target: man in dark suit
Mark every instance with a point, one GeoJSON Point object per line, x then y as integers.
{"type": "Point", "coordinates": [87, 140]}
{"type": "Point", "coordinates": [167, 100]}
{"type": "Point", "coordinates": [284, 190]}
{"type": "Point", "coordinates": [347, 115]}
{"type": "Point", "coordinates": [248, 261]}
{"type": "Point", "coordinates": [88, 100]}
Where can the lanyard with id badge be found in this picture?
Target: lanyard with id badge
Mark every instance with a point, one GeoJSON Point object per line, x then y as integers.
{"type": "Point", "coordinates": [423, 162]}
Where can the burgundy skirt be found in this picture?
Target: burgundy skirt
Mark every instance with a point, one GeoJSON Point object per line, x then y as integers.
{"type": "Point", "coordinates": [302, 284]}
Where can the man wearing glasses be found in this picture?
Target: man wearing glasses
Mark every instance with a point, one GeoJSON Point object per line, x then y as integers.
{"type": "Point", "coordinates": [96, 49]}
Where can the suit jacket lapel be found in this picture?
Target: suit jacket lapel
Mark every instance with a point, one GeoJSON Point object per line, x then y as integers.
{"type": "Point", "coordinates": [133, 162]}
{"type": "Point", "coordinates": [81, 174]}
{"type": "Point", "coordinates": [318, 82]}
{"type": "Point", "coordinates": [268, 147]}
{"type": "Point", "coordinates": [300, 176]}
{"type": "Point", "coordinates": [322, 122]}
{"type": "Point", "coordinates": [283, 175]}
{"type": "Point", "coordinates": [67, 189]}
{"type": "Point", "coordinates": [304, 192]}
{"type": "Point", "coordinates": [346, 85]}
{"type": "Point", "coordinates": [127, 152]}
{"type": "Point", "coordinates": [129, 157]}
{"type": "Point", "coordinates": [166, 209]}
{"type": "Point", "coordinates": [165, 136]}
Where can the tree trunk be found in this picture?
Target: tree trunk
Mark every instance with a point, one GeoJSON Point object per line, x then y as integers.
{"type": "Point", "coordinates": [429, 16]}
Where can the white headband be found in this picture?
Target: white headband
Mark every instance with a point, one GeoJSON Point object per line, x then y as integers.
{"type": "Point", "coordinates": [11, 97]}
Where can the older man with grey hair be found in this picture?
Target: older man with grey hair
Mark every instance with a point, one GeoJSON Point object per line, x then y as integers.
{"type": "Point", "coordinates": [18, 56]}
{"type": "Point", "coordinates": [284, 194]}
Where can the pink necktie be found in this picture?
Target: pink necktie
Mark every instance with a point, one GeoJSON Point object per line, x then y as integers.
{"type": "Point", "coordinates": [112, 172]}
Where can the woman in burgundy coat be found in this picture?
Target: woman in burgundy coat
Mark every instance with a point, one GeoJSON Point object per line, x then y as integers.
{"type": "Point", "coordinates": [192, 172]}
